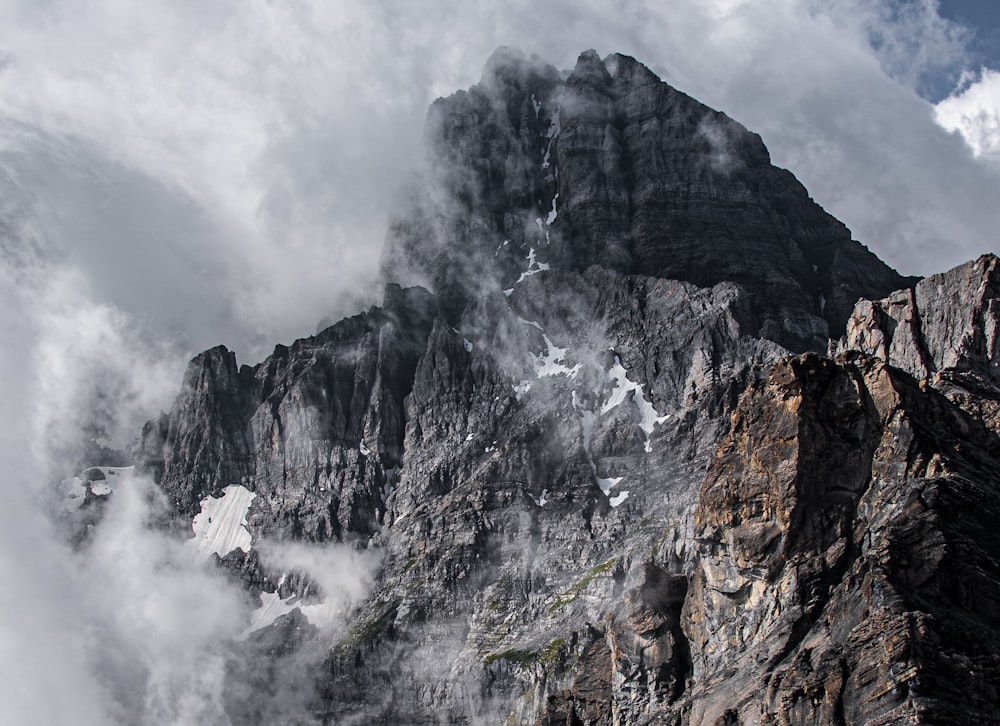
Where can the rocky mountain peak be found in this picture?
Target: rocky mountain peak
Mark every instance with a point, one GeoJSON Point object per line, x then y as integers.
{"type": "Point", "coordinates": [590, 71]}
{"type": "Point", "coordinates": [607, 165]}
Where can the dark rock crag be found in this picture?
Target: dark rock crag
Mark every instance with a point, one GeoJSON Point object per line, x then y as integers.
{"type": "Point", "coordinates": [610, 477]}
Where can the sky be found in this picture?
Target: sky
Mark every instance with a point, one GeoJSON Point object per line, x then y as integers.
{"type": "Point", "coordinates": [174, 175]}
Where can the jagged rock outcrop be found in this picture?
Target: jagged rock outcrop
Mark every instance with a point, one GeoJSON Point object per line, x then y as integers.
{"type": "Point", "coordinates": [317, 428]}
{"type": "Point", "coordinates": [946, 330]}
{"type": "Point", "coordinates": [602, 489]}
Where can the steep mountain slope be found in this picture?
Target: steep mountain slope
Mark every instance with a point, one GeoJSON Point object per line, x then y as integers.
{"type": "Point", "coordinates": [602, 487]}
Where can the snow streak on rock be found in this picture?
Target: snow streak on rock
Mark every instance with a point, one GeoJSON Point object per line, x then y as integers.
{"type": "Point", "coordinates": [99, 481]}
{"type": "Point", "coordinates": [552, 134]}
{"type": "Point", "coordinates": [648, 417]}
{"type": "Point", "coordinates": [534, 266]}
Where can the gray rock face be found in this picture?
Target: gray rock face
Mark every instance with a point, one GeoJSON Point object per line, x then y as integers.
{"type": "Point", "coordinates": [316, 429]}
{"type": "Point", "coordinates": [602, 489]}
{"type": "Point", "coordinates": [612, 167]}
{"type": "Point", "coordinates": [499, 528]}
{"type": "Point", "coordinates": [946, 331]}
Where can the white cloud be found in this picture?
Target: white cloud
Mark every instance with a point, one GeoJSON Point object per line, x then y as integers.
{"type": "Point", "coordinates": [910, 39]}
{"type": "Point", "coordinates": [974, 113]}
{"type": "Point", "coordinates": [344, 576]}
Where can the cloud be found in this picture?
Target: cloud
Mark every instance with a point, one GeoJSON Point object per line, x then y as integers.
{"type": "Point", "coordinates": [912, 42]}
{"type": "Point", "coordinates": [344, 576]}
{"type": "Point", "coordinates": [234, 164]}
{"type": "Point", "coordinates": [134, 627]}
{"type": "Point", "coordinates": [130, 629]}
{"type": "Point", "coordinates": [974, 114]}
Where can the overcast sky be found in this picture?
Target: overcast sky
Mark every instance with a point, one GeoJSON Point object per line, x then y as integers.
{"type": "Point", "coordinates": [222, 171]}
{"type": "Point", "coordinates": [179, 174]}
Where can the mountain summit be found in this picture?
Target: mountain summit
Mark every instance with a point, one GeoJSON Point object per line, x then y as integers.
{"type": "Point", "coordinates": [609, 166]}
{"type": "Point", "coordinates": [603, 467]}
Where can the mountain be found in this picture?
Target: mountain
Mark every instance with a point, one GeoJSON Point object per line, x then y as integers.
{"type": "Point", "coordinates": [614, 168]}
{"type": "Point", "coordinates": [654, 441]}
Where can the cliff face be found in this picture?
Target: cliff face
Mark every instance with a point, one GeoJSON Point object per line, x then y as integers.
{"type": "Point", "coordinates": [842, 529]}
{"type": "Point", "coordinates": [602, 488]}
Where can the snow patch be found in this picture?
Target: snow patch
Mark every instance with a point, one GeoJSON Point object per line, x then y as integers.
{"type": "Point", "coordinates": [322, 614]}
{"type": "Point", "coordinates": [552, 213]}
{"type": "Point", "coordinates": [648, 417]}
{"type": "Point", "coordinates": [553, 361]}
{"type": "Point", "coordinates": [363, 449]}
{"type": "Point", "coordinates": [822, 303]}
{"type": "Point", "coordinates": [608, 484]}
{"type": "Point", "coordinates": [271, 608]}
{"type": "Point", "coordinates": [543, 230]}
{"type": "Point", "coordinates": [541, 499]}
{"type": "Point", "coordinates": [73, 491]}
{"type": "Point", "coordinates": [534, 266]}
{"type": "Point", "coordinates": [221, 527]}
{"type": "Point", "coordinates": [100, 488]}
{"type": "Point", "coordinates": [618, 498]}
{"type": "Point", "coordinates": [551, 134]}
{"type": "Point", "coordinates": [468, 345]}
{"type": "Point", "coordinates": [75, 488]}
{"type": "Point", "coordinates": [521, 388]}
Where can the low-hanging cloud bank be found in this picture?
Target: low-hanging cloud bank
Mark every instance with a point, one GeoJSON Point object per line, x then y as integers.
{"type": "Point", "coordinates": [175, 175]}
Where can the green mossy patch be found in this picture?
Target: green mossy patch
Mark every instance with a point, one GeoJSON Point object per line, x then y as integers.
{"type": "Point", "coordinates": [574, 591]}
{"type": "Point", "coordinates": [552, 652]}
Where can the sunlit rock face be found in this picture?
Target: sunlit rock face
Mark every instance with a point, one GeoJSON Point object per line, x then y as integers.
{"type": "Point", "coordinates": [604, 480]}
{"type": "Point", "coordinates": [842, 528]}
